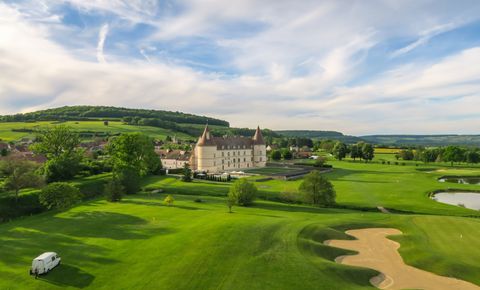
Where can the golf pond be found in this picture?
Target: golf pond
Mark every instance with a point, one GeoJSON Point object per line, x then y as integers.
{"type": "Point", "coordinates": [466, 199]}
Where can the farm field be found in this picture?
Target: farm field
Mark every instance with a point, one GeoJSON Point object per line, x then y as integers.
{"type": "Point", "coordinates": [113, 127]}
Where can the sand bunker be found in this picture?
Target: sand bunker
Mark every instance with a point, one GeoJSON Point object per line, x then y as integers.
{"type": "Point", "coordinates": [381, 254]}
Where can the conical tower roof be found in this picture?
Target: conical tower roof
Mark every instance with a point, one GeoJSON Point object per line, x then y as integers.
{"type": "Point", "coordinates": [206, 139]}
{"type": "Point", "coordinates": [258, 138]}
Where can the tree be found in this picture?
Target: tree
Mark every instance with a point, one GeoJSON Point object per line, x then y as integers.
{"type": "Point", "coordinates": [243, 192]}
{"type": "Point", "coordinates": [133, 156]}
{"type": "Point", "coordinates": [339, 150]}
{"type": "Point", "coordinates": [187, 173]}
{"type": "Point", "coordinates": [60, 145]}
{"type": "Point", "coordinates": [19, 174]}
{"type": "Point", "coordinates": [4, 152]}
{"type": "Point", "coordinates": [169, 200]}
{"type": "Point", "coordinates": [231, 201]}
{"type": "Point", "coordinates": [317, 189]}
{"type": "Point", "coordinates": [276, 155]}
{"type": "Point", "coordinates": [319, 162]}
{"type": "Point", "coordinates": [287, 155]}
{"type": "Point", "coordinates": [453, 154]}
{"type": "Point", "coordinates": [355, 152]}
{"type": "Point", "coordinates": [114, 190]}
{"type": "Point", "coordinates": [367, 152]}
{"type": "Point", "coordinates": [406, 154]}
{"type": "Point", "coordinates": [129, 177]}
{"type": "Point", "coordinates": [59, 195]}
{"type": "Point", "coordinates": [429, 155]}
{"type": "Point", "coordinates": [472, 157]}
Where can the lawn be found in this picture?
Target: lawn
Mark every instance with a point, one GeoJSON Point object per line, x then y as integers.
{"type": "Point", "coordinates": [113, 127]}
{"type": "Point", "coordinates": [357, 184]}
{"type": "Point", "coordinates": [140, 243]}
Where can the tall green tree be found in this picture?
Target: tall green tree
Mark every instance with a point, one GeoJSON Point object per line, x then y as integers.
{"type": "Point", "coordinates": [133, 156]}
{"type": "Point", "coordinates": [286, 154]}
{"type": "Point", "coordinates": [60, 145]}
{"type": "Point", "coordinates": [355, 152]}
{"type": "Point", "coordinates": [453, 154]}
{"type": "Point", "coordinates": [368, 152]}
{"type": "Point", "coordinates": [317, 189]}
{"type": "Point", "coordinates": [339, 150]}
{"type": "Point", "coordinates": [187, 173]}
{"type": "Point", "coordinates": [19, 174]}
{"type": "Point", "coordinates": [276, 155]}
{"type": "Point", "coordinates": [472, 157]}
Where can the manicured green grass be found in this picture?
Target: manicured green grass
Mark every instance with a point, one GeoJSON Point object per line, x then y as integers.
{"type": "Point", "coordinates": [357, 184]}
{"type": "Point", "coordinates": [7, 134]}
{"type": "Point", "coordinates": [140, 243]}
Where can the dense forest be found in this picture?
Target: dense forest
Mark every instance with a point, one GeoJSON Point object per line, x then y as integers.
{"type": "Point", "coordinates": [78, 113]}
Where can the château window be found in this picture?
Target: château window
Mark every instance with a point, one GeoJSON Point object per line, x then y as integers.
{"type": "Point", "coordinates": [222, 153]}
{"type": "Point", "coordinates": [228, 153]}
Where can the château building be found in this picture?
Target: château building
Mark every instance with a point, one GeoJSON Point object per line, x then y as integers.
{"type": "Point", "coordinates": [218, 154]}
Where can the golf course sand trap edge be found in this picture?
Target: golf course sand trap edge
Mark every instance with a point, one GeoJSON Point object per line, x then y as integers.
{"type": "Point", "coordinates": [376, 251]}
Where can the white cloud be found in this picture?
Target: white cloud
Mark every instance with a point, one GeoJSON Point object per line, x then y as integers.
{"type": "Point", "coordinates": [425, 36]}
{"type": "Point", "coordinates": [293, 68]}
{"type": "Point", "coordinates": [102, 35]}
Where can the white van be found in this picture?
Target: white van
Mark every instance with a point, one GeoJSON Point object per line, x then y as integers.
{"type": "Point", "coordinates": [44, 263]}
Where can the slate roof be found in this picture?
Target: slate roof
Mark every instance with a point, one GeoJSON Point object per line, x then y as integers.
{"type": "Point", "coordinates": [230, 142]}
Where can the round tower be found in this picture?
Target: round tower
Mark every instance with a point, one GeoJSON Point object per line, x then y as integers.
{"type": "Point", "coordinates": [259, 149]}
{"type": "Point", "coordinates": [205, 152]}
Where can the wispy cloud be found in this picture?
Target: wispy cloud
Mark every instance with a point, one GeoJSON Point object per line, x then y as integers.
{"type": "Point", "coordinates": [102, 35]}
{"type": "Point", "coordinates": [425, 36]}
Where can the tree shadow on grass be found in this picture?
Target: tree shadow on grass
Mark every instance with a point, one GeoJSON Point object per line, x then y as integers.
{"type": "Point", "coordinates": [297, 208]}
{"type": "Point", "coordinates": [151, 203]}
{"type": "Point", "coordinates": [65, 275]}
{"type": "Point", "coordinates": [99, 224]}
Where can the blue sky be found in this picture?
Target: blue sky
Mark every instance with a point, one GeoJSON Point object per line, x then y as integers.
{"type": "Point", "coordinates": [360, 67]}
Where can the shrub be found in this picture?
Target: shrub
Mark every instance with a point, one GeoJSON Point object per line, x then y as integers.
{"type": "Point", "coordinates": [198, 200]}
{"type": "Point", "coordinates": [169, 200]}
{"type": "Point", "coordinates": [59, 195]}
{"type": "Point", "coordinates": [317, 189]}
{"type": "Point", "coordinates": [243, 192]}
{"type": "Point", "coordinates": [319, 162]}
{"type": "Point", "coordinates": [113, 190]}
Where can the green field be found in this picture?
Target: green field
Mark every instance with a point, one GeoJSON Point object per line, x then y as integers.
{"type": "Point", "coordinates": [7, 134]}
{"type": "Point", "coordinates": [140, 243]}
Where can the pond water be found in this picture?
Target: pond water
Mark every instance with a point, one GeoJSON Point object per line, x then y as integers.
{"type": "Point", "coordinates": [469, 200]}
{"type": "Point", "coordinates": [462, 180]}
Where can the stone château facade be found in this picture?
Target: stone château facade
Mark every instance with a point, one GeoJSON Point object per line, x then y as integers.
{"type": "Point", "coordinates": [219, 154]}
